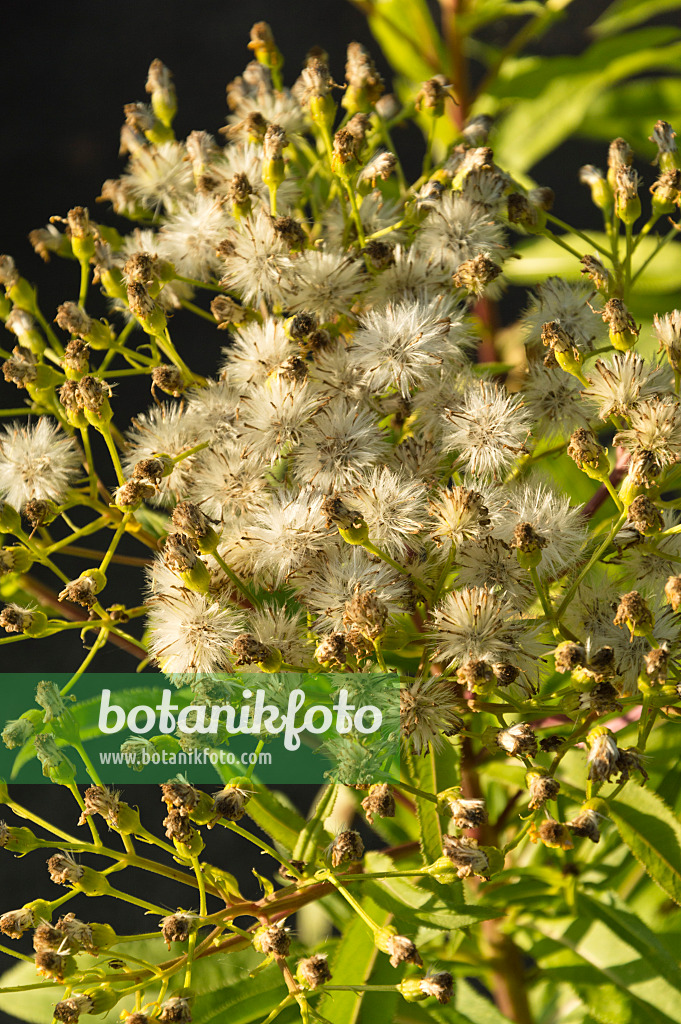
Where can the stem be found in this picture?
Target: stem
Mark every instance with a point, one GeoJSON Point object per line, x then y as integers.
{"type": "Point", "coordinates": [591, 562]}
{"type": "Point", "coordinates": [105, 431]}
{"type": "Point", "coordinates": [559, 241]}
{"type": "Point", "coordinates": [120, 530]}
{"type": "Point", "coordinates": [92, 476]}
{"type": "Point", "coordinates": [84, 282]}
{"type": "Point", "coordinates": [241, 587]}
{"type": "Point", "coordinates": [580, 234]}
{"type": "Point", "coordinates": [93, 828]}
{"type": "Point", "coordinates": [97, 645]}
{"type": "Point", "coordinates": [89, 766]}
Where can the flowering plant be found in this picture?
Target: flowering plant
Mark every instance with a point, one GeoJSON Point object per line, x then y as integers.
{"type": "Point", "coordinates": [353, 494]}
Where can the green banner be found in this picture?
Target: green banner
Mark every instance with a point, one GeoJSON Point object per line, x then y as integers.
{"type": "Point", "coordinates": [282, 727]}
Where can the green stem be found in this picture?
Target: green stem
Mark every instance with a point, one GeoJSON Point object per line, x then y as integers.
{"type": "Point", "coordinates": [105, 431]}
{"type": "Point", "coordinates": [97, 645]}
{"type": "Point", "coordinates": [590, 563]}
{"type": "Point", "coordinates": [93, 828]}
{"type": "Point", "coordinates": [84, 282]}
{"type": "Point", "coordinates": [580, 234]}
{"type": "Point", "coordinates": [241, 587]}
{"type": "Point", "coordinates": [120, 530]}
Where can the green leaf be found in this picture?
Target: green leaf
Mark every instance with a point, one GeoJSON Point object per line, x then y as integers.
{"type": "Point", "coordinates": [278, 819]}
{"type": "Point", "coordinates": [653, 834]}
{"type": "Point", "coordinates": [414, 907]}
{"type": "Point", "coordinates": [422, 772]}
{"type": "Point", "coordinates": [624, 14]}
{"type": "Point", "coordinates": [599, 963]}
{"type": "Point", "coordinates": [407, 36]}
{"type": "Point", "coordinates": [352, 965]}
{"type": "Point", "coordinates": [306, 847]}
{"type": "Point", "coordinates": [558, 92]}
{"type": "Point", "coordinates": [634, 931]}
{"type": "Point", "coordinates": [632, 110]}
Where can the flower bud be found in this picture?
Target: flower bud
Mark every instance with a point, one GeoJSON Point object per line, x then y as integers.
{"type": "Point", "coordinates": [15, 922]}
{"type": "Point", "coordinates": [601, 192]}
{"type": "Point", "coordinates": [585, 824]}
{"type": "Point", "coordinates": [178, 927]}
{"type": "Point", "coordinates": [80, 232]}
{"type": "Point", "coordinates": [367, 612]}
{"type": "Point", "coordinates": [439, 984]}
{"type": "Point", "coordinates": [623, 330]}
{"type": "Point", "coordinates": [603, 754]}
{"type": "Point", "coordinates": [230, 802]}
{"type": "Point", "coordinates": [476, 274]}
{"type": "Point", "coordinates": [627, 201]}
{"type": "Point", "coordinates": [528, 544]}
{"type": "Point", "coordinates": [163, 96]}
{"type": "Point", "coordinates": [84, 590]}
{"type": "Point", "coordinates": [551, 833]}
{"type": "Point", "coordinates": [633, 612]}
{"type": "Point", "coordinates": [188, 519]}
{"type": "Point", "coordinates": [399, 948]}
{"type": "Point", "coordinates": [664, 137]}
{"type": "Point", "coordinates": [644, 516]}
{"type": "Point", "coordinates": [22, 324]}
{"type": "Point", "coordinates": [518, 741]}
{"type": "Point", "coordinates": [264, 47]}
{"type": "Point", "coordinates": [14, 559]}
{"type": "Point", "coordinates": [57, 966]}
{"type": "Point", "coordinates": [94, 395]}
{"type": "Point", "coordinates": [175, 1010]}
{"type": "Point", "coordinates": [476, 675]}
{"type": "Point", "coordinates": [467, 813]}
{"type": "Point", "coordinates": [17, 840]}
{"type": "Point", "coordinates": [466, 856]}
{"type": "Point", "coordinates": [313, 971]}
{"type": "Point", "coordinates": [149, 314]}
{"type": "Point", "coordinates": [272, 940]}
{"type": "Point", "coordinates": [590, 456]}
{"type": "Point", "coordinates": [542, 787]}
{"type": "Point", "coordinates": [380, 801]}
{"type": "Point", "coordinates": [40, 512]}
{"type": "Point", "coordinates": [168, 379]}
{"type": "Point", "coordinates": [346, 847]}
{"type": "Point", "coordinates": [56, 766]}
{"type": "Point", "coordinates": [364, 82]}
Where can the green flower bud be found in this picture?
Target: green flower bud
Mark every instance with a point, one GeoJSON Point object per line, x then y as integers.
{"type": "Point", "coordinates": [18, 840]}
{"type": "Point", "coordinates": [411, 990]}
{"type": "Point", "coordinates": [10, 520]}
{"type": "Point", "coordinates": [163, 95]}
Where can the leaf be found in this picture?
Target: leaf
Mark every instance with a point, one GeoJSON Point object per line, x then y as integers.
{"type": "Point", "coordinates": [414, 907]}
{"type": "Point", "coordinates": [599, 964]}
{"type": "Point", "coordinates": [634, 931]}
{"type": "Point", "coordinates": [558, 92]}
{"type": "Point", "coordinates": [352, 965]}
{"type": "Point", "coordinates": [632, 110]}
{"type": "Point", "coordinates": [407, 36]}
{"type": "Point", "coordinates": [653, 834]}
{"type": "Point", "coordinates": [624, 14]}
{"type": "Point", "coordinates": [422, 772]}
{"type": "Point", "coordinates": [278, 819]}
{"type": "Point", "coordinates": [307, 846]}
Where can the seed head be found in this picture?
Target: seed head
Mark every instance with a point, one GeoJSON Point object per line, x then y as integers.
{"type": "Point", "coordinates": [346, 847]}
{"type": "Point", "coordinates": [313, 971]}
{"type": "Point", "coordinates": [380, 801]}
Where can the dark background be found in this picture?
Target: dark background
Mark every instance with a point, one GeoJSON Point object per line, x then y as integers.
{"type": "Point", "coordinates": [68, 68]}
